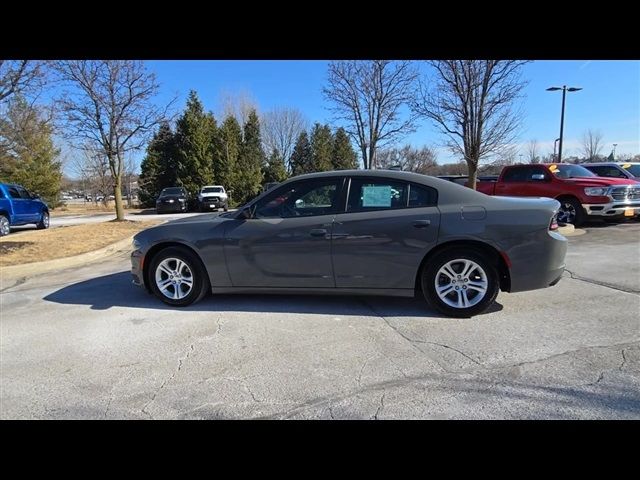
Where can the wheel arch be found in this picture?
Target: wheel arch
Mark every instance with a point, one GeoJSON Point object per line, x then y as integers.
{"type": "Point", "coordinates": [492, 253]}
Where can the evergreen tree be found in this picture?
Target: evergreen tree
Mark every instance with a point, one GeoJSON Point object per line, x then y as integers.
{"type": "Point", "coordinates": [301, 156]}
{"type": "Point", "coordinates": [195, 132]}
{"type": "Point", "coordinates": [275, 170]}
{"type": "Point", "coordinates": [225, 160]}
{"type": "Point", "coordinates": [158, 168]}
{"type": "Point", "coordinates": [321, 148]}
{"type": "Point", "coordinates": [251, 160]}
{"type": "Point", "coordinates": [344, 156]}
{"type": "Point", "coordinates": [28, 155]}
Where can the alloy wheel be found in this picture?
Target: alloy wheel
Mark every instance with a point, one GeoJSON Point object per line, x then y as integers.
{"type": "Point", "coordinates": [461, 283]}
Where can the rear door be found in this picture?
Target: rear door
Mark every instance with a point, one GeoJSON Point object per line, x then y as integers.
{"type": "Point", "coordinates": [524, 181]}
{"type": "Point", "coordinates": [287, 243]}
{"type": "Point", "coordinates": [381, 239]}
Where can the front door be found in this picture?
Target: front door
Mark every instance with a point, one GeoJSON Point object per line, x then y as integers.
{"type": "Point", "coordinates": [388, 228]}
{"type": "Point", "coordinates": [287, 242]}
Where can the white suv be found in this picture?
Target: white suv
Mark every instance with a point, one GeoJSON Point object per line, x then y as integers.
{"type": "Point", "coordinates": [212, 197]}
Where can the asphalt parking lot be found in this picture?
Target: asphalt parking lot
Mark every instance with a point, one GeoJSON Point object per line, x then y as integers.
{"type": "Point", "coordinates": [85, 343]}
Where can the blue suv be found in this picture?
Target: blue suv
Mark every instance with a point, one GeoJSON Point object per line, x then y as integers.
{"type": "Point", "coordinates": [19, 207]}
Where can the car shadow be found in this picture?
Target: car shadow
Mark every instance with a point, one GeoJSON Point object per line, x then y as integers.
{"type": "Point", "coordinates": [116, 290]}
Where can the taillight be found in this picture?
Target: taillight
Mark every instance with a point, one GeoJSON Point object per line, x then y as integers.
{"type": "Point", "coordinates": [553, 225]}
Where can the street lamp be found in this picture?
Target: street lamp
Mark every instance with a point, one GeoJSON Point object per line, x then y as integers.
{"type": "Point", "coordinates": [564, 93]}
{"type": "Point", "coordinates": [613, 155]}
{"type": "Point", "coordinates": [555, 143]}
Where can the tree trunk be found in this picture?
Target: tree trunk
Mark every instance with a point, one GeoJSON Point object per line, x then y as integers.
{"type": "Point", "coordinates": [118, 195]}
{"type": "Point", "coordinates": [473, 174]}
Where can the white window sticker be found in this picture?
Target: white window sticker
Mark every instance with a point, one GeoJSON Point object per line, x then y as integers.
{"type": "Point", "coordinates": [378, 196]}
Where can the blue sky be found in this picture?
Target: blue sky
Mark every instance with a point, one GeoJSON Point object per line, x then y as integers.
{"type": "Point", "coordinates": [609, 101]}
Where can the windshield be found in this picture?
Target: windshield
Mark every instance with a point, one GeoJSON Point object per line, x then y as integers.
{"type": "Point", "coordinates": [172, 191]}
{"type": "Point", "coordinates": [570, 171]}
{"type": "Point", "coordinates": [212, 190]}
{"type": "Point", "coordinates": [632, 169]}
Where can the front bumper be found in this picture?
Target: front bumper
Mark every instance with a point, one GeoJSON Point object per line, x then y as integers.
{"type": "Point", "coordinates": [207, 204]}
{"type": "Point", "coordinates": [612, 209]}
{"type": "Point", "coordinates": [171, 207]}
{"type": "Point", "coordinates": [137, 270]}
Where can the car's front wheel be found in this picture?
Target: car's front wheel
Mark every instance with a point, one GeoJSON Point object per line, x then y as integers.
{"type": "Point", "coordinates": [177, 277]}
{"type": "Point", "coordinates": [460, 282]}
{"type": "Point", "coordinates": [44, 221]}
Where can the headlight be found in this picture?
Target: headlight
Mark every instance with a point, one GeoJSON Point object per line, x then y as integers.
{"type": "Point", "coordinates": [136, 244]}
{"type": "Point", "coordinates": [182, 200]}
{"type": "Point", "coordinates": [596, 191]}
{"type": "Point", "coordinates": [171, 200]}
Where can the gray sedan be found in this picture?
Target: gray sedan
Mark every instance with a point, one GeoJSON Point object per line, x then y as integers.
{"type": "Point", "coordinates": [359, 232]}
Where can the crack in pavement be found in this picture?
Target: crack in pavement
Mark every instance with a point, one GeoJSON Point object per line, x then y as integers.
{"type": "Point", "coordinates": [413, 341]}
{"type": "Point", "coordinates": [155, 394]}
{"type": "Point", "coordinates": [624, 360]}
{"type": "Point", "coordinates": [575, 276]}
{"type": "Point", "coordinates": [381, 406]}
{"type": "Point", "coordinates": [19, 282]}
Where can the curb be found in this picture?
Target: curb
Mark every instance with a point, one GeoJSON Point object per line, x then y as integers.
{"type": "Point", "coordinates": [36, 268]}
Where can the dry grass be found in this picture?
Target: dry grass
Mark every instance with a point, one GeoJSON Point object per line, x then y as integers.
{"type": "Point", "coordinates": [89, 208]}
{"type": "Point", "coordinates": [41, 245]}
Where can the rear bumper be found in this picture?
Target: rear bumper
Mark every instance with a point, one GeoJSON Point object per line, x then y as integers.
{"type": "Point", "coordinates": [612, 209]}
{"type": "Point", "coordinates": [539, 263]}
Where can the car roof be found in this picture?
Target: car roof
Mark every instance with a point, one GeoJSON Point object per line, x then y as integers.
{"type": "Point", "coordinates": [609, 164]}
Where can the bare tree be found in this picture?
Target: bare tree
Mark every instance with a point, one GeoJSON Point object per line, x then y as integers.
{"type": "Point", "coordinates": [420, 160]}
{"type": "Point", "coordinates": [20, 77]}
{"type": "Point", "coordinates": [368, 95]}
{"type": "Point", "coordinates": [93, 169]}
{"type": "Point", "coordinates": [280, 129]}
{"type": "Point", "coordinates": [238, 105]}
{"type": "Point", "coordinates": [533, 152]}
{"type": "Point", "coordinates": [472, 103]}
{"type": "Point", "coordinates": [592, 145]}
{"type": "Point", "coordinates": [110, 106]}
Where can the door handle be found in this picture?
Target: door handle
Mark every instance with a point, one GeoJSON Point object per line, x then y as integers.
{"type": "Point", "coordinates": [318, 232]}
{"type": "Point", "coordinates": [421, 223]}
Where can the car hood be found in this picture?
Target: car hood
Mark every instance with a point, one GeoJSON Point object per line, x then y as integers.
{"type": "Point", "coordinates": [171, 197]}
{"type": "Point", "coordinates": [213, 194]}
{"type": "Point", "coordinates": [205, 218]}
{"type": "Point", "coordinates": [600, 181]}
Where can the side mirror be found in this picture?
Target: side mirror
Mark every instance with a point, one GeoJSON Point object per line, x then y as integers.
{"type": "Point", "coordinates": [245, 214]}
{"type": "Point", "coordinates": [538, 177]}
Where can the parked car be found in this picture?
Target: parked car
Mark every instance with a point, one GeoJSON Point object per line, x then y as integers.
{"type": "Point", "coordinates": [19, 207]}
{"type": "Point", "coordinates": [172, 199]}
{"type": "Point", "coordinates": [581, 193]}
{"type": "Point", "coordinates": [615, 169]}
{"type": "Point", "coordinates": [377, 232]}
{"type": "Point", "coordinates": [213, 197]}
{"type": "Point", "coordinates": [464, 179]}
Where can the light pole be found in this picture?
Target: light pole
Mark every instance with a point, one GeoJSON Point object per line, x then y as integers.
{"type": "Point", "coordinates": [613, 155]}
{"type": "Point", "coordinates": [564, 94]}
{"type": "Point", "coordinates": [555, 143]}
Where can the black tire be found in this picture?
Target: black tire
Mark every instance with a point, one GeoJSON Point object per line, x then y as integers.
{"type": "Point", "coordinates": [200, 286]}
{"type": "Point", "coordinates": [574, 209]}
{"type": "Point", "coordinates": [431, 269]}
{"type": "Point", "coordinates": [5, 226]}
{"type": "Point", "coordinates": [226, 208]}
{"type": "Point", "coordinates": [44, 221]}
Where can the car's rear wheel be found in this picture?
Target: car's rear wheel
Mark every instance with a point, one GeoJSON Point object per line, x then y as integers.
{"type": "Point", "coordinates": [571, 211]}
{"type": "Point", "coordinates": [44, 221]}
{"type": "Point", "coordinates": [5, 228]}
{"type": "Point", "coordinates": [460, 282]}
{"type": "Point", "coordinates": [177, 277]}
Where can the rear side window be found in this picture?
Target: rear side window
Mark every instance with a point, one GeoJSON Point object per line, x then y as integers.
{"type": "Point", "coordinates": [522, 174]}
{"type": "Point", "coordinates": [14, 193]}
{"type": "Point", "coordinates": [421, 196]}
{"type": "Point", "coordinates": [385, 194]}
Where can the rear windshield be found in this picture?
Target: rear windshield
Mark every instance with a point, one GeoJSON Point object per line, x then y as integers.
{"type": "Point", "coordinates": [172, 191]}
{"type": "Point", "coordinates": [212, 190]}
{"type": "Point", "coordinates": [561, 170]}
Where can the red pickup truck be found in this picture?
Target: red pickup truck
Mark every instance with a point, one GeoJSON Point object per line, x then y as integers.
{"type": "Point", "coordinates": [581, 193]}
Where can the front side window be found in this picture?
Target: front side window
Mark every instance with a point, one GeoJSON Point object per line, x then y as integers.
{"type": "Point", "coordinates": [14, 193]}
{"type": "Point", "coordinates": [300, 199]}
